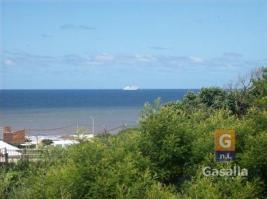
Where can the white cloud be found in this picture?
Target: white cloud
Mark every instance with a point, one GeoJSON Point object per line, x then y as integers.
{"type": "Point", "coordinates": [145, 58]}
{"type": "Point", "coordinates": [141, 61]}
{"type": "Point", "coordinates": [9, 62]}
{"type": "Point", "coordinates": [196, 59]}
{"type": "Point", "coordinates": [76, 27]}
{"type": "Point", "coordinates": [103, 57]}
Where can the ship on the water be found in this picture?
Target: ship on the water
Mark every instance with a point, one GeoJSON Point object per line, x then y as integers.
{"type": "Point", "coordinates": [131, 88]}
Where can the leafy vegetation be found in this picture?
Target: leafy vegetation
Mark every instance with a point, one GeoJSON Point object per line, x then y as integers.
{"type": "Point", "coordinates": [164, 157]}
{"type": "Point", "coordinates": [46, 142]}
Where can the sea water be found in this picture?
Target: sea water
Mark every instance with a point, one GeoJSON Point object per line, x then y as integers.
{"type": "Point", "coordinates": [60, 112]}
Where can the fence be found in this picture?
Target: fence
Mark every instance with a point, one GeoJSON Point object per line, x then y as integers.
{"type": "Point", "coordinates": [11, 155]}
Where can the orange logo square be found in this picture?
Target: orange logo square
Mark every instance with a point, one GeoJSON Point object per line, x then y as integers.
{"type": "Point", "coordinates": [225, 140]}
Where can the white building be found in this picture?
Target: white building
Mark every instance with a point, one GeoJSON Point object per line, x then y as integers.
{"type": "Point", "coordinates": [64, 143]}
{"type": "Point", "coordinates": [13, 152]}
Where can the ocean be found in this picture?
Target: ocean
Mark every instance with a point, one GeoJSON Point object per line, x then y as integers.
{"type": "Point", "coordinates": [60, 112]}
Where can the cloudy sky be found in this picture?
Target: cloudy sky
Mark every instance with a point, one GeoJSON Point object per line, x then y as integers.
{"type": "Point", "coordinates": [113, 43]}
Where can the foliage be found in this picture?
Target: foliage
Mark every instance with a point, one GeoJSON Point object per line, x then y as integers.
{"type": "Point", "coordinates": [46, 142]}
{"type": "Point", "coordinates": [178, 138]}
{"type": "Point", "coordinates": [220, 188]}
{"type": "Point", "coordinates": [108, 167]}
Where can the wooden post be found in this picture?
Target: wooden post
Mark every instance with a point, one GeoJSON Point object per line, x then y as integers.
{"type": "Point", "coordinates": [24, 155]}
{"type": "Point", "coordinates": [6, 156]}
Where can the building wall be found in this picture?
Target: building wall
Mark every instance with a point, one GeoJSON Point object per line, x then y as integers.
{"type": "Point", "coordinates": [17, 137]}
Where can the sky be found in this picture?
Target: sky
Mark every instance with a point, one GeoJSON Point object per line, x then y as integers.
{"type": "Point", "coordinates": [109, 44]}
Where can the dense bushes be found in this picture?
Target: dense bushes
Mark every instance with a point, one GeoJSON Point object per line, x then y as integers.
{"type": "Point", "coordinates": [108, 167]}
{"type": "Point", "coordinates": [167, 140]}
{"type": "Point", "coordinates": [161, 159]}
{"type": "Point", "coordinates": [178, 140]}
{"type": "Point", "coordinates": [251, 154]}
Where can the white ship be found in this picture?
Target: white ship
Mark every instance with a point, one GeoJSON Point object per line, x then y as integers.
{"type": "Point", "coordinates": [130, 88]}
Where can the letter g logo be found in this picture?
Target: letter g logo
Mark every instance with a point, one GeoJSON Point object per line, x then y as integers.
{"type": "Point", "coordinates": [225, 140]}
